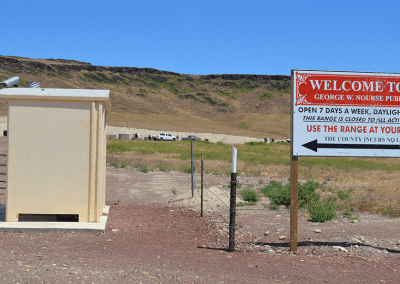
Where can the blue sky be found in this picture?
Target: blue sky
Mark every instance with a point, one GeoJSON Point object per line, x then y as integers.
{"type": "Point", "coordinates": [208, 36]}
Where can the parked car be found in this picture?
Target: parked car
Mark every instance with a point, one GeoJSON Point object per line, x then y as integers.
{"type": "Point", "coordinates": [192, 137]}
{"type": "Point", "coordinates": [164, 137]}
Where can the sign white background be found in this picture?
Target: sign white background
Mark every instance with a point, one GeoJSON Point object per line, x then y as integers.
{"type": "Point", "coordinates": [348, 128]}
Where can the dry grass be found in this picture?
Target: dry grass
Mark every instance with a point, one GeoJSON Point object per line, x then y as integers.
{"type": "Point", "coordinates": [374, 191]}
{"type": "Point", "coordinates": [152, 161]}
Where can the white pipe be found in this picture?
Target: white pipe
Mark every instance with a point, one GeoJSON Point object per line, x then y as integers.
{"type": "Point", "coordinates": [9, 82]}
{"type": "Point", "coordinates": [234, 159]}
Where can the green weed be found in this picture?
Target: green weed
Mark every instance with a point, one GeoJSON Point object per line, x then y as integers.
{"type": "Point", "coordinates": [249, 195]}
{"type": "Point", "coordinates": [342, 194]}
{"type": "Point", "coordinates": [277, 193]}
{"type": "Point", "coordinates": [322, 210]}
{"type": "Point", "coordinates": [143, 168]}
{"type": "Point", "coordinates": [273, 206]}
{"type": "Point", "coordinates": [307, 193]}
{"type": "Point", "coordinates": [319, 210]}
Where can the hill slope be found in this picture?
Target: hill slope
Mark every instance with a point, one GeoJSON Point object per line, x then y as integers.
{"type": "Point", "coordinates": [252, 105]}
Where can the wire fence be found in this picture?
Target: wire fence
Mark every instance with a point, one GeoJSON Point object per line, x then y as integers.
{"type": "Point", "coordinates": [359, 219]}
{"type": "Point", "coordinates": [338, 214]}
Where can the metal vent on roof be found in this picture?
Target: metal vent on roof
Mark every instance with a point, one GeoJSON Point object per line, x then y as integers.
{"type": "Point", "coordinates": [35, 85]}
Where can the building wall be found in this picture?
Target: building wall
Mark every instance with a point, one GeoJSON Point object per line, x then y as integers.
{"type": "Point", "coordinates": [56, 158]}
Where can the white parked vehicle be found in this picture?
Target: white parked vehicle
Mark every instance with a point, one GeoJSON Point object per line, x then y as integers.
{"type": "Point", "coordinates": [166, 137]}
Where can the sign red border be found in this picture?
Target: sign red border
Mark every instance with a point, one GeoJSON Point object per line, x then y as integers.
{"type": "Point", "coordinates": [347, 90]}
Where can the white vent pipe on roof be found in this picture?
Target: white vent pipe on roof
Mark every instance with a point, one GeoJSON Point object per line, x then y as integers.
{"type": "Point", "coordinates": [9, 82]}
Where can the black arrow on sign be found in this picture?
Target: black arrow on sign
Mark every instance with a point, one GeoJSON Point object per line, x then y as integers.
{"type": "Point", "coordinates": [314, 146]}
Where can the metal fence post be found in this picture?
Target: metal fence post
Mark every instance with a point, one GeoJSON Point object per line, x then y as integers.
{"type": "Point", "coordinates": [191, 149]}
{"type": "Point", "coordinates": [202, 162]}
{"type": "Point", "coordinates": [232, 209]}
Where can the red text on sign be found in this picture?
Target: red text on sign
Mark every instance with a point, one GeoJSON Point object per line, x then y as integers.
{"type": "Point", "coordinates": [353, 129]}
{"type": "Point", "coordinates": [314, 128]}
{"type": "Point", "coordinates": [390, 129]}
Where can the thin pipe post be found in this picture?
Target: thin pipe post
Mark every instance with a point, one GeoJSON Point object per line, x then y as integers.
{"type": "Point", "coordinates": [191, 150]}
{"type": "Point", "coordinates": [202, 163]}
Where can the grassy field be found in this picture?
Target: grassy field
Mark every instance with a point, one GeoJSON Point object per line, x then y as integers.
{"type": "Point", "coordinates": [371, 184]}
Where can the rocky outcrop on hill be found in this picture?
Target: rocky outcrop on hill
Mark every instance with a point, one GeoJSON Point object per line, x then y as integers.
{"type": "Point", "coordinates": [12, 64]}
{"type": "Point", "coordinates": [257, 78]}
{"type": "Point", "coordinates": [15, 65]}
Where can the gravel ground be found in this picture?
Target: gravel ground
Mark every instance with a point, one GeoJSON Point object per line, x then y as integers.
{"type": "Point", "coordinates": [155, 235]}
{"type": "Point", "coordinates": [154, 243]}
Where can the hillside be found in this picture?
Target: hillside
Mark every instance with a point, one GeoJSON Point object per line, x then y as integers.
{"type": "Point", "coordinates": [252, 105]}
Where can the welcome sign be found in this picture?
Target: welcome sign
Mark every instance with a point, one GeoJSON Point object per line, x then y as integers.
{"type": "Point", "coordinates": [345, 114]}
